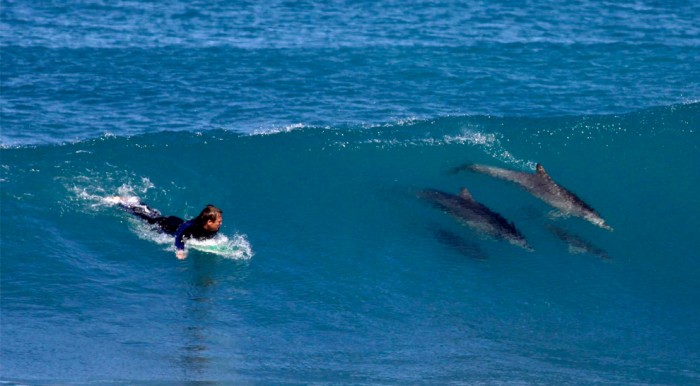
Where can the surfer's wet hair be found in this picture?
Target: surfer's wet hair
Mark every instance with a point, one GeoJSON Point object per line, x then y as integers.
{"type": "Point", "coordinates": [209, 213]}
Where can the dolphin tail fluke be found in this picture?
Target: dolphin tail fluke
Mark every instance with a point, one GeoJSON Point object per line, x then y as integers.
{"type": "Point", "coordinates": [472, 168]}
{"type": "Point", "coordinates": [458, 169]}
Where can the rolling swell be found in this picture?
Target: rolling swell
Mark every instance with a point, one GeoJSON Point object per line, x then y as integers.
{"type": "Point", "coordinates": [343, 250]}
{"type": "Point", "coordinates": [297, 169]}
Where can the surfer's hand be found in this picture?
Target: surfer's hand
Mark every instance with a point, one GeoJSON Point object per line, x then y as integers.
{"type": "Point", "coordinates": [181, 254]}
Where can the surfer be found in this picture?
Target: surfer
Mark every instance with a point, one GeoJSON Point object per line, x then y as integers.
{"type": "Point", "coordinates": [204, 226]}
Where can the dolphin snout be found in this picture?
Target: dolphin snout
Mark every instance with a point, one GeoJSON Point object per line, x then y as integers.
{"type": "Point", "coordinates": [601, 223]}
{"type": "Point", "coordinates": [522, 243]}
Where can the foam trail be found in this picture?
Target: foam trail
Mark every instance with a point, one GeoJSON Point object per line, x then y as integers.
{"type": "Point", "coordinates": [491, 144]}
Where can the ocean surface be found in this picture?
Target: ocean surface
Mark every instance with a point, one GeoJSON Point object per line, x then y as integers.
{"type": "Point", "coordinates": [315, 126]}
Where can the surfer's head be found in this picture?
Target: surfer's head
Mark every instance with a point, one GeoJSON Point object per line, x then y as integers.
{"type": "Point", "coordinates": [210, 218]}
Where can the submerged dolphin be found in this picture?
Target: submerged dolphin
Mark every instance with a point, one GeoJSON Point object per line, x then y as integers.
{"type": "Point", "coordinates": [541, 185]}
{"type": "Point", "coordinates": [459, 244]}
{"type": "Point", "coordinates": [475, 215]}
{"type": "Point", "coordinates": [577, 244]}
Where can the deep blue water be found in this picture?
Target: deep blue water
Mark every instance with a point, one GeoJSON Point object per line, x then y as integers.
{"type": "Point", "coordinates": [314, 126]}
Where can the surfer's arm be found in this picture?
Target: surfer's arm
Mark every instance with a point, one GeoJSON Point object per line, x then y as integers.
{"type": "Point", "coordinates": [180, 251]}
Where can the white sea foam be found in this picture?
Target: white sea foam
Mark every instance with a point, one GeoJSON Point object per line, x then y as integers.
{"type": "Point", "coordinates": [491, 144]}
{"type": "Point", "coordinates": [236, 247]}
{"type": "Point", "coordinates": [277, 130]}
{"type": "Point", "coordinates": [98, 197]}
{"type": "Point", "coordinates": [94, 190]}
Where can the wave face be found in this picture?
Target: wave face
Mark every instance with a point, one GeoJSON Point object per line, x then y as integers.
{"type": "Point", "coordinates": [348, 276]}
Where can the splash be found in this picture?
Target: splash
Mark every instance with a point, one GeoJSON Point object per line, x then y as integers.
{"type": "Point", "coordinates": [236, 247]}
{"type": "Point", "coordinates": [491, 144]}
{"type": "Point", "coordinates": [95, 196]}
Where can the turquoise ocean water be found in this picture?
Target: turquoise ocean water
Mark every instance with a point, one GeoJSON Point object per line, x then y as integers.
{"type": "Point", "coordinates": [313, 126]}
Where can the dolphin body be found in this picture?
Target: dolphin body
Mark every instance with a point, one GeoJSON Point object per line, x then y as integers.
{"type": "Point", "coordinates": [541, 185]}
{"type": "Point", "coordinates": [475, 215]}
{"type": "Point", "coordinates": [459, 244]}
{"type": "Point", "coordinates": [576, 244]}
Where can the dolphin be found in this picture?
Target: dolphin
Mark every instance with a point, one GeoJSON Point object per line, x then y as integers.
{"type": "Point", "coordinates": [542, 186]}
{"type": "Point", "coordinates": [459, 244]}
{"type": "Point", "coordinates": [475, 215]}
{"type": "Point", "coordinates": [577, 244]}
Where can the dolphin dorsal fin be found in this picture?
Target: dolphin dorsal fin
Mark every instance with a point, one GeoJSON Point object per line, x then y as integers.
{"type": "Point", "coordinates": [464, 193]}
{"type": "Point", "coordinates": [541, 172]}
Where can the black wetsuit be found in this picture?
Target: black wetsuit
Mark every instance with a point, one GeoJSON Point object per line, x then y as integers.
{"type": "Point", "coordinates": [171, 225]}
